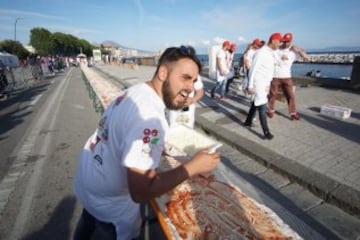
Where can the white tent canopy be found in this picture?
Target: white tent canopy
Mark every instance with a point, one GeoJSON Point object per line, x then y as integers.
{"type": "Point", "coordinates": [9, 60]}
{"type": "Point", "coordinates": [81, 55]}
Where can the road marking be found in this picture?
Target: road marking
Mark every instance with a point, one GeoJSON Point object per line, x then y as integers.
{"type": "Point", "coordinates": [36, 99]}
{"type": "Point", "coordinates": [79, 106]}
{"type": "Point", "coordinates": [25, 150]}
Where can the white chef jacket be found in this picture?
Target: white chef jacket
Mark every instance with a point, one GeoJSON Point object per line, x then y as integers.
{"type": "Point", "coordinates": [261, 73]}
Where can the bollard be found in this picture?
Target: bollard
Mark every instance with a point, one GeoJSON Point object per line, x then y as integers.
{"type": "Point", "coordinates": [355, 74]}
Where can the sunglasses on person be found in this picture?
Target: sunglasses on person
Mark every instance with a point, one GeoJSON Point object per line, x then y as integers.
{"type": "Point", "coordinates": [187, 50]}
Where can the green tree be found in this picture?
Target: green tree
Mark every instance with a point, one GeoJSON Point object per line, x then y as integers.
{"type": "Point", "coordinates": [14, 47]}
{"type": "Point", "coordinates": [58, 43]}
{"type": "Point", "coordinates": [86, 47]}
{"type": "Point", "coordinates": [103, 50]}
{"type": "Point", "coordinates": [40, 39]}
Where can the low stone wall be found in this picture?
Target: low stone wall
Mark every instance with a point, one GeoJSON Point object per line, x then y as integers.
{"type": "Point", "coordinates": [324, 82]}
{"type": "Point", "coordinates": [133, 66]}
{"type": "Point", "coordinates": [147, 61]}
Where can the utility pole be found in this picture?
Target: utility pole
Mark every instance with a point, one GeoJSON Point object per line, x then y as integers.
{"type": "Point", "coordinates": [16, 20]}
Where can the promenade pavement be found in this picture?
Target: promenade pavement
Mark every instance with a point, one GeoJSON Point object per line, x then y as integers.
{"type": "Point", "coordinates": [319, 152]}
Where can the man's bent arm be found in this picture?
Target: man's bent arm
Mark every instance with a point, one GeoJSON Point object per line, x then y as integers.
{"type": "Point", "coordinates": [145, 185]}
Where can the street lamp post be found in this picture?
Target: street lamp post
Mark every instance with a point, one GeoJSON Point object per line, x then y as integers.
{"type": "Point", "coordinates": [16, 20]}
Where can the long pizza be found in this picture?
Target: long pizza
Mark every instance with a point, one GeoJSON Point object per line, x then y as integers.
{"type": "Point", "coordinates": [205, 207]}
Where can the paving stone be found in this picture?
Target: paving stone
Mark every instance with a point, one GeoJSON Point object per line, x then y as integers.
{"type": "Point", "coordinates": [251, 167]}
{"type": "Point", "coordinates": [345, 225]}
{"type": "Point", "coordinates": [212, 116]}
{"type": "Point", "coordinates": [300, 196]}
{"type": "Point", "coordinates": [274, 179]}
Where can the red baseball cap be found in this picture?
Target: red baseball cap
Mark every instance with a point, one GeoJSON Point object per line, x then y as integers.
{"type": "Point", "coordinates": [275, 36]}
{"type": "Point", "coordinates": [257, 42]}
{"type": "Point", "coordinates": [233, 47]}
{"type": "Point", "coordinates": [226, 44]}
{"type": "Point", "coordinates": [287, 37]}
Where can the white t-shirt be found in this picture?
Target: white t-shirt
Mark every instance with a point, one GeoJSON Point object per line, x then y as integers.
{"type": "Point", "coordinates": [261, 74]}
{"type": "Point", "coordinates": [249, 56]}
{"type": "Point", "coordinates": [131, 133]}
{"type": "Point", "coordinates": [222, 56]}
{"type": "Point", "coordinates": [284, 58]}
{"type": "Point", "coordinates": [230, 59]}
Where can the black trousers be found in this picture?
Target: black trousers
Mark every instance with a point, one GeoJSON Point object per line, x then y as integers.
{"type": "Point", "coordinates": [88, 226]}
{"type": "Point", "coordinates": [262, 109]}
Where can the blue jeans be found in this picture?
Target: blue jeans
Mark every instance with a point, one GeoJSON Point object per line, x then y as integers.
{"type": "Point", "coordinates": [262, 109]}
{"type": "Point", "coordinates": [220, 85]}
{"type": "Point", "coordinates": [89, 226]}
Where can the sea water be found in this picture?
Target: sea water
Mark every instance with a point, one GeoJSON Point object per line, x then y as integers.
{"type": "Point", "coordinates": [340, 71]}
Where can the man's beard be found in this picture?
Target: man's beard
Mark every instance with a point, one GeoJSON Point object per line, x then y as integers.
{"type": "Point", "coordinates": [169, 96]}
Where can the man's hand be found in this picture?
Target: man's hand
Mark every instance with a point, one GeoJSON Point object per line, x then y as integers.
{"type": "Point", "coordinates": [251, 90]}
{"type": "Point", "coordinates": [189, 101]}
{"type": "Point", "coordinates": [202, 162]}
{"type": "Point", "coordinates": [301, 52]}
{"type": "Point", "coordinates": [295, 49]}
{"type": "Point", "coordinates": [284, 57]}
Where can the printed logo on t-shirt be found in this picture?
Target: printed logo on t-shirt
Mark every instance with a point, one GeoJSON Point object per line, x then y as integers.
{"type": "Point", "coordinates": [150, 138]}
{"type": "Point", "coordinates": [120, 99]}
{"type": "Point", "coordinates": [98, 159]}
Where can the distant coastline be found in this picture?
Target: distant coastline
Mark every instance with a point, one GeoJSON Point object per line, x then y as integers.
{"type": "Point", "coordinates": [325, 63]}
{"type": "Point", "coordinates": [346, 58]}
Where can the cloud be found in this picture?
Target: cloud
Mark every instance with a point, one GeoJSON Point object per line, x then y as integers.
{"type": "Point", "coordinates": [72, 29]}
{"type": "Point", "coordinates": [219, 40]}
{"type": "Point", "coordinates": [192, 43]}
{"type": "Point", "coordinates": [205, 42]}
{"type": "Point", "coordinates": [141, 11]}
{"type": "Point", "coordinates": [156, 19]}
{"type": "Point", "coordinates": [242, 39]}
{"type": "Point", "coordinates": [17, 13]}
{"type": "Point", "coordinates": [244, 18]}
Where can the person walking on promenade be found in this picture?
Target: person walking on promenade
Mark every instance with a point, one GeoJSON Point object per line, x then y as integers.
{"type": "Point", "coordinates": [222, 71]}
{"type": "Point", "coordinates": [117, 167]}
{"type": "Point", "coordinates": [186, 115]}
{"type": "Point", "coordinates": [260, 76]}
{"type": "Point", "coordinates": [231, 54]}
{"type": "Point", "coordinates": [285, 57]}
{"type": "Point", "coordinates": [248, 56]}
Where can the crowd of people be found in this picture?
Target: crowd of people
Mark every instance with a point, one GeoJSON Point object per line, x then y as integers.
{"type": "Point", "coordinates": [118, 165]}
{"type": "Point", "coordinates": [3, 81]}
{"type": "Point", "coordinates": [267, 72]}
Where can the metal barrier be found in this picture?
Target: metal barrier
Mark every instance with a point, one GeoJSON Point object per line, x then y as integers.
{"type": "Point", "coordinates": [93, 96]}
{"type": "Point", "coordinates": [24, 77]}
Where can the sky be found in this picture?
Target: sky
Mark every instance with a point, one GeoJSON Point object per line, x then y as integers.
{"type": "Point", "coordinates": [156, 24]}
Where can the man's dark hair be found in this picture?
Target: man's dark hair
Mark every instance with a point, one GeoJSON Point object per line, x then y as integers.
{"type": "Point", "coordinates": [174, 54]}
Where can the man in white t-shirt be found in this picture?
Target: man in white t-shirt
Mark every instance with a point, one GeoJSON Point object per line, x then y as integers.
{"type": "Point", "coordinates": [186, 116]}
{"type": "Point", "coordinates": [117, 167]}
{"type": "Point", "coordinates": [222, 70]}
{"type": "Point", "coordinates": [248, 57]}
{"type": "Point", "coordinates": [260, 76]}
{"type": "Point", "coordinates": [284, 58]}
